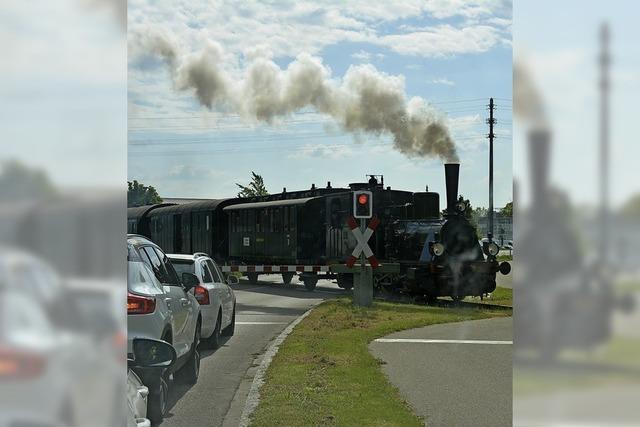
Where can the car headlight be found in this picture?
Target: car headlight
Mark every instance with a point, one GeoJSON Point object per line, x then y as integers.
{"type": "Point", "coordinates": [493, 249]}
{"type": "Point", "coordinates": [438, 249]}
{"type": "Point", "coordinates": [461, 206]}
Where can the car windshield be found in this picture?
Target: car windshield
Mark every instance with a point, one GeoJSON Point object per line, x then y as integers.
{"type": "Point", "coordinates": [183, 266]}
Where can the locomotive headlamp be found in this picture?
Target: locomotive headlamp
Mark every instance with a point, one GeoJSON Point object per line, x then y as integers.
{"type": "Point", "coordinates": [438, 249]}
{"type": "Point", "coordinates": [493, 249]}
{"type": "Point", "coordinates": [461, 206]}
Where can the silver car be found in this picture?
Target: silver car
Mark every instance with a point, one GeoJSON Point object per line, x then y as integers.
{"type": "Point", "coordinates": [215, 296]}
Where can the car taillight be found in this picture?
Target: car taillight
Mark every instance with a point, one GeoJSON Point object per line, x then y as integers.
{"type": "Point", "coordinates": [138, 304]}
{"type": "Point", "coordinates": [202, 295]}
{"type": "Point", "coordinates": [16, 364]}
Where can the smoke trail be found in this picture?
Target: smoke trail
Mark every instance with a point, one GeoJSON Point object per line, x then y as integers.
{"type": "Point", "coordinates": [365, 101]}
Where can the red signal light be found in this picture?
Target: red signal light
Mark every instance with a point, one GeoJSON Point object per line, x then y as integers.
{"type": "Point", "coordinates": [363, 199]}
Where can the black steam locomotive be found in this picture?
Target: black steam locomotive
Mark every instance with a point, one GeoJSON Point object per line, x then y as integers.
{"type": "Point", "coordinates": [306, 231]}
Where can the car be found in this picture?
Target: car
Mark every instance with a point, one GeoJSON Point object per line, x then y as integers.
{"type": "Point", "coordinates": [50, 361]}
{"type": "Point", "coordinates": [160, 306]}
{"type": "Point", "coordinates": [148, 355]}
{"type": "Point", "coordinates": [216, 298]}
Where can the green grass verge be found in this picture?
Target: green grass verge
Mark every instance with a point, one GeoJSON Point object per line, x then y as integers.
{"type": "Point", "coordinates": [324, 374]}
{"type": "Point", "coordinates": [501, 296]}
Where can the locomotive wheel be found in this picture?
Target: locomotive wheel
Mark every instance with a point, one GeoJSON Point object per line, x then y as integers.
{"type": "Point", "coordinates": [345, 281]}
{"type": "Point", "coordinates": [253, 278]}
{"type": "Point", "coordinates": [310, 282]}
{"type": "Point", "coordinates": [286, 278]}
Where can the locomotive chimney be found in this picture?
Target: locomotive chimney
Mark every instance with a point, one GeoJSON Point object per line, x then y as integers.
{"type": "Point", "coordinates": [451, 173]}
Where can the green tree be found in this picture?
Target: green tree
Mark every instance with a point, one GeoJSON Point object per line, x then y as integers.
{"type": "Point", "coordinates": [507, 211]}
{"type": "Point", "coordinates": [255, 188]}
{"type": "Point", "coordinates": [139, 194]}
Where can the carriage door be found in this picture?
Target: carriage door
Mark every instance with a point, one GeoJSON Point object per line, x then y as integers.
{"type": "Point", "coordinates": [177, 233]}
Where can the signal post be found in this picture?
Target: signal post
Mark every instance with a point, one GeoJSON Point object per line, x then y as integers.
{"type": "Point", "coordinates": [363, 274]}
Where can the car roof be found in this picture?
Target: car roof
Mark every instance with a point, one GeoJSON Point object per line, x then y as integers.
{"type": "Point", "coordinates": [197, 255]}
{"type": "Point", "coordinates": [137, 239]}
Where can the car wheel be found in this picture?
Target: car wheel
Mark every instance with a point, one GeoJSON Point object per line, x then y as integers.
{"type": "Point", "coordinates": [191, 370]}
{"type": "Point", "coordinates": [213, 342]}
{"type": "Point", "coordinates": [231, 329]}
{"type": "Point", "coordinates": [157, 406]}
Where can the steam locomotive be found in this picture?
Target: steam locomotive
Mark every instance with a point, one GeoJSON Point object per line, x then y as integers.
{"type": "Point", "coordinates": [306, 231]}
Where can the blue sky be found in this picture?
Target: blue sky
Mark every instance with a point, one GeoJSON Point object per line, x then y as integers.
{"type": "Point", "coordinates": [454, 54]}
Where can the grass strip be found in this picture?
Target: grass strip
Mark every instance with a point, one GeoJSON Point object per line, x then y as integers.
{"type": "Point", "coordinates": [324, 375]}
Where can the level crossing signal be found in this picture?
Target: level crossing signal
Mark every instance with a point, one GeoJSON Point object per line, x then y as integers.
{"type": "Point", "coordinates": [362, 204]}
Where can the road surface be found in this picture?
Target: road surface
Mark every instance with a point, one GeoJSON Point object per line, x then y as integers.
{"type": "Point", "coordinates": [262, 312]}
{"type": "Point", "coordinates": [456, 374]}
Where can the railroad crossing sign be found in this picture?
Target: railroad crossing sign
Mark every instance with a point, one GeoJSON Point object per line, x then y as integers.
{"type": "Point", "coordinates": [362, 239]}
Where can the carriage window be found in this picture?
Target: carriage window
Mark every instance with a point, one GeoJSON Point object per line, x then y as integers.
{"type": "Point", "coordinates": [258, 220]}
{"type": "Point", "coordinates": [285, 220]}
{"type": "Point", "coordinates": [271, 215]}
{"type": "Point", "coordinates": [207, 222]}
{"type": "Point", "coordinates": [277, 220]}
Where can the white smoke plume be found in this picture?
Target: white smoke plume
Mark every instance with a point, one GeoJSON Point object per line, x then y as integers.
{"type": "Point", "coordinates": [365, 101]}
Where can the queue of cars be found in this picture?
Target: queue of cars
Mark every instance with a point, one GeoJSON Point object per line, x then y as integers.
{"type": "Point", "coordinates": [176, 300]}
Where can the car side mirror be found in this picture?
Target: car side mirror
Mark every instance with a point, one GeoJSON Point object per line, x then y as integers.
{"type": "Point", "coordinates": [150, 353]}
{"type": "Point", "coordinates": [232, 280]}
{"type": "Point", "coordinates": [190, 280]}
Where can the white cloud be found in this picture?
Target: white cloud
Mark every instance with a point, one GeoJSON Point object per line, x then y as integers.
{"type": "Point", "coordinates": [289, 28]}
{"type": "Point", "coordinates": [321, 150]}
{"type": "Point", "coordinates": [443, 81]}
{"type": "Point", "coordinates": [364, 56]}
{"type": "Point", "coordinates": [443, 40]}
{"type": "Point", "coordinates": [188, 172]}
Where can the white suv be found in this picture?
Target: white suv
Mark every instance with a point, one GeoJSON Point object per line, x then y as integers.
{"type": "Point", "coordinates": [160, 306]}
{"type": "Point", "coordinates": [215, 296]}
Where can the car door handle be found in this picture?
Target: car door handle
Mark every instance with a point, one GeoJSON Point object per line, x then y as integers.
{"type": "Point", "coordinates": [185, 302]}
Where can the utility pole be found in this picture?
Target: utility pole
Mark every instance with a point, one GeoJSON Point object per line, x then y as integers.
{"type": "Point", "coordinates": [605, 60]}
{"type": "Point", "coordinates": [491, 121]}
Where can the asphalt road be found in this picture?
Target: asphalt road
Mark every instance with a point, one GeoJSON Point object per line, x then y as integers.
{"type": "Point", "coordinates": [453, 384]}
{"type": "Point", "coordinates": [262, 312]}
